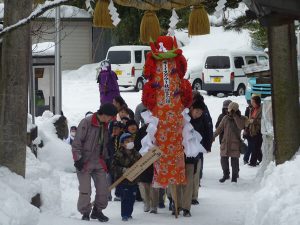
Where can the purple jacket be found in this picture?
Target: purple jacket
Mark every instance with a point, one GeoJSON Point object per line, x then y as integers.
{"type": "Point", "coordinates": [108, 85]}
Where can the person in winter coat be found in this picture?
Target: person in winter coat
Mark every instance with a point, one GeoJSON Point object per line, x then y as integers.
{"type": "Point", "coordinates": [246, 136]}
{"type": "Point", "coordinates": [149, 194]}
{"type": "Point", "coordinates": [108, 84]}
{"type": "Point", "coordinates": [124, 159]}
{"type": "Point", "coordinates": [90, 152]}
{"type": "Point", "coordinates": [209, 132]}
{"type": "Point", "coordinates": [201, 123]}
{"type": "Point", "coordinates": [231, 125]}
{"type": "Point", "coordinates": [254, 129]}
{"type": "Point", "coordinates": [222, 115]}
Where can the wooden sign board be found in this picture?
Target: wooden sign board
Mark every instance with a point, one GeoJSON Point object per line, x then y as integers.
{"type": "Point", "coordinates": [140, 166]}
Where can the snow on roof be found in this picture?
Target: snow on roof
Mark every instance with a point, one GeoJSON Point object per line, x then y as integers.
{"type": "Point", "coordinates": [43, 49]}
{"type": "Point", "coordinates": [66, 11]}
{"type": "Point", "coordinates": [128, 47]}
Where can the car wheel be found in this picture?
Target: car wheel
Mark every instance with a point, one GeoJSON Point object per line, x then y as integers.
{"type": "Point", "coordinates": [197, 85]}
{"type": "Point", "coordinates": [139, 85]}
{"type": "Point", "coordinates": [241, 90]}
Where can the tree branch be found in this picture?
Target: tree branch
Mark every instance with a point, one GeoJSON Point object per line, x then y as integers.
{"type": "Point", "coordinates": [33, 16]}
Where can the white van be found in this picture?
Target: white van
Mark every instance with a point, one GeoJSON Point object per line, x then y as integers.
{"type": "Point", "coordinates": [222, 70]}
{"type": "Point", "coordinates": [128, 62]}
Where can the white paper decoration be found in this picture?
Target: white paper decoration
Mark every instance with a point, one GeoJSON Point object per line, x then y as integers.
{"type": "Point", "coordinates": [114, 14]}
{"type": "Point", "coordinates": [173, 22]}
{"type": "Point", "coordinates": [220, 7]}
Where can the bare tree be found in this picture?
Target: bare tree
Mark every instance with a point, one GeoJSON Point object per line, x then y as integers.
{"type": "Point", "coordinates": [16, 54]}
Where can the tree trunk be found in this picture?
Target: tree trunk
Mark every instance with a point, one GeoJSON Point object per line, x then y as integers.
{"type": "Point", "coordinates": [16, 51]}
{"type": "Point", "coordinates": [285, 93]}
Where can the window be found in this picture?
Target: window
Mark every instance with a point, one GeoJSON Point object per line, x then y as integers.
{"type": "Point", "coordinates": [262, 58]}
{"type": "Point", "coordinates": [138, 56]}
{"type": "Point", "coordinates": [251, 59]}
{"type": "Point", "coordinates": [217, 62]}
{"type": "Point", "coordinates": [238, 62]}
{"type": "Point", "coordinates": [119, 57]}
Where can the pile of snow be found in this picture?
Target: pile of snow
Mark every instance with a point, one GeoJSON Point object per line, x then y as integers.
{"type": "Point", "coordinates": [43, 49]}
{"type": "Point", "coordinates": [43, 176]}
{"type": "Point", "coordinates": [85, 73]}
{"type": "Point", "coordinates": [278, 200]}
{"type": "Point", "coordinates": [15, 196]}
{"type": "Point", "coordinates": [56, 152]}
{"type": "Point", "coordinates": [217, 39]}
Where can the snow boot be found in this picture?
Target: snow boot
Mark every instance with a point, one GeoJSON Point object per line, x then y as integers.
{"type": "Point", "coordinates": [195, 202]}
{"type": "Point", "coordinates": [234, 179]}
{"type": "Point", "coordinates": [224, 178]}
{"type": "Point", "coordinates": [97, 214]}
{"type": "Point", "coordinates": [86, 217]}
{"type": "Point", "coordinates": [153, 210]}
{"type": "Point", "coordinates": [186, 213]}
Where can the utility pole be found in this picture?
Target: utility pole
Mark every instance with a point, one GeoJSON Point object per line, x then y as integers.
{"type": "Point", "coordinates": [57, 78]}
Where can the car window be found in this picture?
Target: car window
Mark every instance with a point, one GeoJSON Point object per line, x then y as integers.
{"type": "Point", "coordinates": [262, 58]}
{"type": "Point", "coordinates": [119, 57]}
{"type": "Point", "coordinates": [138, 56]}
{"type": "Point", "coordinates": [251, 59]}
{"type": "Point", "coordinates": [238, 62]}
{"type": "Point", "coordinates": [217, 62]}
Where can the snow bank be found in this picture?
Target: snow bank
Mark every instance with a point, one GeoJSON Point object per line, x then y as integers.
{"type": "Point", "coordinates": [278, 200]}
{"type": "Point", "coordinates": [196, 46]}
{"type": "Point", "coordinates": [85, 73]}
{"type": "Point", "coordinates": [15, 196]}
{"type": "Point", "coordinates": [55, 151]}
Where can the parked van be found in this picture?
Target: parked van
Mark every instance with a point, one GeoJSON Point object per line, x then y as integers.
{"type": "Point", "coordinates": [128, 62]}
{"type": "Point", "coordinates": [222, 70]}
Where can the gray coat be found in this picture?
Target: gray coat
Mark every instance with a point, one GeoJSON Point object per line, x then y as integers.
{"type": "Point", "coordinates": [231, 126]}
{"type": "Point", "coordinates": [86, 143]}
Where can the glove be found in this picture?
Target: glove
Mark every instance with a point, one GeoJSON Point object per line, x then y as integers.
{"type": "Point", "coordinates": [79, 164]}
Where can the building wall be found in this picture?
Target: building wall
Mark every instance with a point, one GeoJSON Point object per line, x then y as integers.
{"type": "Point", "coordinates": [76, 41]}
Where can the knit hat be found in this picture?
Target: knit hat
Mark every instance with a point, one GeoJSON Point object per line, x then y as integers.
{"type": "Point", "coordinates": [108, 109]}
{"type": "Point", "coordinates": [73, 128]}
{"type": "Point", "coordinates": [131, 122]}
{"type": "Point", "coordinates": [233, 106]}
{"type": "Point", "coordinates": [124, 137]}
{"type": "Point", "coordinates": [118, 124]}
{"type": "Point", "coordinates": [226, 104]}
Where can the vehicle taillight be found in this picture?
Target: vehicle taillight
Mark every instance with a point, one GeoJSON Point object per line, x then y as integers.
{"type": "Point", "coordinates": [133, 71]}
{"type": "Point", "coordinates": [232, 76]}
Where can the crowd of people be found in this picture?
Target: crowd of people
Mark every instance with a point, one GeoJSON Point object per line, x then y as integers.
{"type": "Point", "coordinates": [106, 143]}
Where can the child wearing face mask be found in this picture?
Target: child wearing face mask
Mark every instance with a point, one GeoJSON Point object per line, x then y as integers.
{"type": "Point", "coordinates": [71, 137]}
{"type": "Point", "coordinates": [124, 159]}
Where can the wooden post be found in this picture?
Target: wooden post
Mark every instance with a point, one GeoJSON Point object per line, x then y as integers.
{"type": "Point", "coordinates": [285, 91]}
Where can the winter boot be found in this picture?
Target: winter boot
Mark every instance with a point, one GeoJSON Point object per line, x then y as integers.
{"type": "Point", "coordinates": [153, 210]}
{"type": "Point", "coordinates": [195, 202]}
{"type": "Point", "coordinates": [234, 178]}
{"type": "Point", "coordinates": [86, 217]}
{"type": "Point", "coordinates": [186, 213]}
{"type": "Point", "coordinates": [225, 176]}
{"type": "Point", "coordinates": [98, 214]}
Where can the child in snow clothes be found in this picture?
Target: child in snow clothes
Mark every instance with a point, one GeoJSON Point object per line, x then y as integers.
{"type": "Point", "coordinates": [231, 125]}
{"type": "Point", "coordinates": [70, 139]}
{"type": "Point", "coordinates": [124, 159]}
{"type": "Point", "coordinates": [132, 128]}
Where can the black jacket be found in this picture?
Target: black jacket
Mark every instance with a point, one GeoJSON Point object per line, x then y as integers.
{"type": "Point", "coordinates": [147, 175]}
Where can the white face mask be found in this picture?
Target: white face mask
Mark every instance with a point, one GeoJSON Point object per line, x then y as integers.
{"type": "Point", "coordinates": [130, 145]}
{"type": "Point", "coordinates": [72, 134]}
